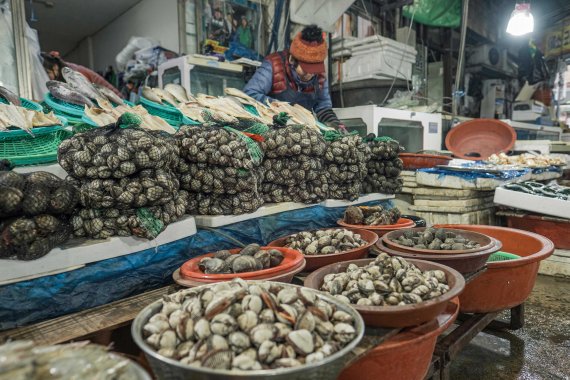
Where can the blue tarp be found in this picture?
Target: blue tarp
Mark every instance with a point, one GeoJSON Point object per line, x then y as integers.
{"type": "Point", "coordinates": [110, 280]}
{"type": "Point", "coordinates": [471, 175]}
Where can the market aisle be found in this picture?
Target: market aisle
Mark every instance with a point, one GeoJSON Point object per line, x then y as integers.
{"type": "Point", "coordinates": [538, 351]}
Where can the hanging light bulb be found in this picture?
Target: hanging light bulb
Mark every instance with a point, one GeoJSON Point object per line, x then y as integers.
{"type": "Point", "coordinates": [521, 21]}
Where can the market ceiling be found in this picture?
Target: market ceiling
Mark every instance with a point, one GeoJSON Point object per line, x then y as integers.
{"type": "Point", "coordinates": [62, 24]}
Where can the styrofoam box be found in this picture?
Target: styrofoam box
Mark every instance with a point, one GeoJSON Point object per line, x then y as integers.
{"type": "Point", "coordinates": [371, 42]}
{"type": "Point", "coordinates": [378, 62]}
{"type": "Point", "coordinates": [79, 252]}
{"type": "Point", "coordinates": [265, 210]}
{"type": "Point", "coordinates": [534, 203]}
{"type": "Point", "coordinates": [332, 203]}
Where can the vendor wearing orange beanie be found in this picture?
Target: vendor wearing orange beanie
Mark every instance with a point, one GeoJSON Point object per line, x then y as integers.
{"type": "Point", "coordinates": [297, 76]}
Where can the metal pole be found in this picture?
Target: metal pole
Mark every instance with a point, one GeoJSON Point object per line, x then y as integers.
{"type": "Point", "coordinates": [182, 48]}
{"type": "Point", "coordinates": [21, 46]}
{"type": "Point", "coordinates": [460, 58]}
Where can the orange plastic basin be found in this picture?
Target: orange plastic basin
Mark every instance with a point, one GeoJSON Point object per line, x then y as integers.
{"type": "Point", "coordinates": [406, 355]}
{"type": "Point", "coordinates": [414, 161]}
{"type": "Point", "coordinates": [291, 259]}
{"type": "Point", "coordinates": [505, 284]}
{"type": "Point", "coordinates": [479, 138]}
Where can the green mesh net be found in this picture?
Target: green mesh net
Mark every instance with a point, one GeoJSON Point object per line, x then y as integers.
{"type": "Point", "coordinates": [335, 135]}
{"type": "Point", "coordinates": [254, 150]}
{"type": "Point", "coordinates": [152, 225]}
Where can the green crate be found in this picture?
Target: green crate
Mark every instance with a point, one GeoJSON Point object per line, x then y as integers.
{"type": "Point", "coordinates": [60, 106]}
{"type": "Point", "coordinates": [22, 148]}
{"type": "Point", "coordinates": [26, 104]}
{"type": "Point", "coordinates": [502, 256]}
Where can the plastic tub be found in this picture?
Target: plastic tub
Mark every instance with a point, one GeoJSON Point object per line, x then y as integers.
{"type": "Point", "coordinates": [505, 284]}
{"type": "Point", "coordinates": [291, 259]}
{"type": "Point", "coordinates": [480, 138]}
{"type": "Point", "coordinates": [165, 368]}
{"type": "Point", "coordinates": [397, 316]}
{"type": "Point", "coordinates": [414, 161]}
{"type": "Point", "coordinates": [553, 228]}
{"type": "Point", "coordinates": [463, 263]}
{"type": "Point", "coordinates": [318, 261]}
{"type": "Point", "coordinates": [485, 243]}
{"type": "Point", "coordinates": [406, 355]}
{"type": "Point", "coordinates": [284, 276]}
{"type": "Point", "coordinates": [382, 229]}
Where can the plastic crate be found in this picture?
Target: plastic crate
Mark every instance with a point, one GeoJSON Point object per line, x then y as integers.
{"type": "Point", "coordinates": [22, 148]}
{"type": "Point", "coordinates": [502, 256]}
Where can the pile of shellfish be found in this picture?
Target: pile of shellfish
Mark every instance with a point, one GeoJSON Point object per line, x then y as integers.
{"type": "Point", "coordinates": [293, 165]}
{"type": "Point", "coordinates": [435, 239]}
{"type": "Point", "coordinates": [33, 213]}
{"type": "Point", "coordinates": [245, 326]}
{"type": "Point", "coordinates": [345, 161]}
{"type": "Point", "coordinates": [250, 258]}
{"type": "Point", "coordinates": [324, 242]}
{"type": "Point", "coordinates": [384, 168]}
{"type": "Point", "coordinates": [371, 215]}
{"type": "Point", "coordinates": [386, 281]}
{"type": "Point", "coordinates": [126, 181]}
{"type": "Point", "coordinates": [220, 170]}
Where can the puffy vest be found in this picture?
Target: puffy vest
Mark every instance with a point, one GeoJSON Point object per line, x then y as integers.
{"type": "Point", "coordinates": [282, 73]}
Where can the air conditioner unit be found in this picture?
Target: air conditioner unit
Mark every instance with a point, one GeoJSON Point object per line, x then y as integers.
{"type": "Point", "coordinates": [487, 55]}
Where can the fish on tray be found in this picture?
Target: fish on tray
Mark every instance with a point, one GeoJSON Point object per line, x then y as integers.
{"type": "Point", "coordinates": [110, 95]}
{"type": "Point", "coordinates": [10, 96]}
{"type": "Point", "coordinates": [64, 92]}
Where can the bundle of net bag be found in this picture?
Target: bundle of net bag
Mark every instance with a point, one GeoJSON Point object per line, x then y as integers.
{"type": "Point", "coordinates": [384, 166]}
{"type": "Point", "coordinates": [34, 210]}
{"type": "Point", "coordinates": [122, 169]}
{"type": "Point", "coordinates": [219, 167]}
{"type": "Point", "coordinates": [346, 160]}
{"type": "Point", "coordinates": [293, 165]}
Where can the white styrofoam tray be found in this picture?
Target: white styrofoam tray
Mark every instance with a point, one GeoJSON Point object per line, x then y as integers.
{"type": "Point", "coordinates": [534, 203]}
{"type": "Point", "coordinates": [363, 199]}
{"type": "Point", "coordinates": [50, 168]}
{"type": "Point", "coordinates": [80, 252]}
{"type": "Point", "coordinates": [265, 210]}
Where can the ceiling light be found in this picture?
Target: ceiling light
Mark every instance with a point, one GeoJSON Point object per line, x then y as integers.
{"type": "Point", "coordinates": [521, 21]}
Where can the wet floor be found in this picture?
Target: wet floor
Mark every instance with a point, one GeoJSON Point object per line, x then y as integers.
{"type": "Point", "coordinates": [538, 351]}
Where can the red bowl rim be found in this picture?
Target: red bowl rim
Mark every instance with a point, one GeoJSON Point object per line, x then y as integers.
{"type": "Point", "coordinates": [467, 125]}
{"type": "Point", "coordinates": [401, 224]}
{"type": "Point", "coordinates": [373, 238]}
{"type": "Point", "coordinates": [191, 266]}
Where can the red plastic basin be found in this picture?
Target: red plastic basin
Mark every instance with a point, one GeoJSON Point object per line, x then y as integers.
{"type": "Point", "coordinates": [291, 259]}
{"type": "Point", "coordinates": [406, 355]}
{"type": "Point", "coordinates": [379, 230]}
{"type": "Point", "coordinates": [479, 138]}
{"type": "Point", "coordinates": [414, 161]}
{"type": "Point", "coordinates": [505, 284]}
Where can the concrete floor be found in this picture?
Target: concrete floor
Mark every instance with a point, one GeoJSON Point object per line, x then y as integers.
{"type": "Point", "coordinates": [538, 351]}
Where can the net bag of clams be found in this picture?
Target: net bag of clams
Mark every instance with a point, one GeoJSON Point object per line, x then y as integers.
{"type": "Point", "coordinates": [142, 222]}
{"type": "Point", "coordinates": [29, 238]}
{"type": "Point", "coordinates": [346, 160]}
{"type": "Point", "coordinates": [34, 194]}
{"type": "Point", "coordinates": [384, 167]}
{"type": "Point", "coordinates": [219, 167]}
{"type": "Point", "coordinates": [120, 170]}
{"type": "Point", "coordinates": [293, 165]}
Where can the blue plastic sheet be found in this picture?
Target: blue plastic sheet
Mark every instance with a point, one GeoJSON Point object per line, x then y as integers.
{"type": "Point", "coordinates": [471, 175]}
{"type": "Point", "coordinates": [110, 280]}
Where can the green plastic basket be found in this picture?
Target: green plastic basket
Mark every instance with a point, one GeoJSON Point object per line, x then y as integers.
{"type": "Point", "coordinates": [59, 106]}
{"type": "Point", "coordinates": [502, 256]}
{"type": "Point", "coordinates": [26, 104]}
{"type": "Point", "coordinates": [21, 148]}
{"type": "Point", "coordinates": [251, 109]}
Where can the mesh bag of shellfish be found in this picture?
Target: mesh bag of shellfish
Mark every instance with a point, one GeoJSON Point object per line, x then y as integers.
{"type": "Point", "coordinates": [149, 187]}
{"type": "Point", "coordinates": [214, 179]}
{"type": "Point", "coordinates": [143, 222]}
{"type": "Point", "coordinates": [384, 167]}
{"type": "Point", "coordinates": [111, 152]}
{"type": "Point", "coordinates": [210, 204]}
{"type": "Point", "coordinates": [29, 238]}
{"type": "Point", "coordinates": [293, 140]}
{"type": "Point", "coordinates": [35, 193]}
{"type": "Point", "coordinates": [218, 146]}
{"type": "Point", "coordinates": [304, 192]}
{"type": "Point", "coordinates": [293, 170]}
{"type": "Point", "coordinates": [346, 160]}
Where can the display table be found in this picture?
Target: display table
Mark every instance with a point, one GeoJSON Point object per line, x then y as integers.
{"type": "Point", "coordinates": [102, 282]}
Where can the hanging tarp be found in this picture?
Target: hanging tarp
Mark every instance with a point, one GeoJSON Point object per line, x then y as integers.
{"type": "Point", "coordinates": [443, 13]}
